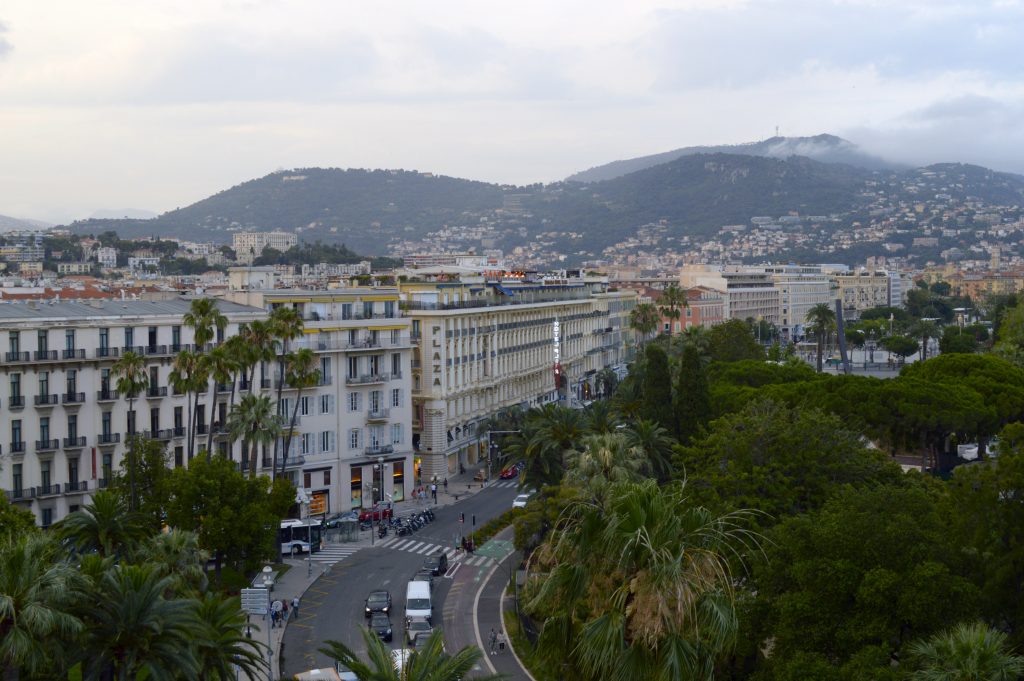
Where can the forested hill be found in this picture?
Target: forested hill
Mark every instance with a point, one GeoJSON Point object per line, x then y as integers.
{"type": "Point", "coordinates": [361, 208]}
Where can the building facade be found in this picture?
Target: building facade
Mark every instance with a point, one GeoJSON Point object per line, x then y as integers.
{"type": "Point", "coordinates": [250, 245]}
{"type": "Point", "coordinates": [800, 288]}
{"type": "Point", "coordinates": [862, 290]}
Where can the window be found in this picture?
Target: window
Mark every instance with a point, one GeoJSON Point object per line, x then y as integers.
{"type": "Point", "coordinates": [374, 365]}
{"type": "Point", "coordinates": [179, 418]}
{"type": "Point", "coordinates": [327, 441]}
{"type": "Point", "coordinates": [367, 310]}
{"type": "Point", "coordinates": [306, 443]}
{"type": "Point", "coordinates": [104, 339]}
{"type": "Point", "coordinates": [353, 438]}
{"type": "Point", "coordinates": [179, 456]}
{"type": "Point", "coordinates": [175, 338]}
{"type": "Point", "coordinates": [154, 420]}
{"type": "Point", "coordinates": [396, 433]}
{"type": "Point", "coordinates": [47, 519]}
{"type": "Point", "coordinates": [396, 397]}
{"type": "Point", "coordinates": [375, 401]}
{"type": "Point", "coordinates": [327, 477]}
{"type": "Point", "coordinates": [154, 377]}
{"type": "Point", "coordinates": [326, 404]}
{"type": "Point", "coordinates": [396, 364]}
{"type": "Point", "coordinates": [44, 473]}
{"type": "Point", "coordinates": [107, 423]}
{"type": "Point", "coordinates": [325, 370]}
{"type": "Point", "coordinates": [17, 480]}
{"type": "Point", "coordinates": [286, 406]}
{"type": "Point", "coordinates": [108, 466]}
{"type": "Point", "coordinates": [152, 337]}
{"type": "Point", "coordinates": [73, 426]}
{"type": "Point", "coordinates": [307, 480]}
{"type": "Point", "coordinates": [353, 402]}
{"type": "Point", "coordinates": [44, 428]}
{"type": "Point", "coordinates": [73, 471]}
{"type": "Point", "coordinates": [346, 310]}
{"type": "Point", "coordinates": [105, 380]}
{"type": "Point", "coordinates": [305, 405]}
{"type": "Point", "coordinates": [71, 381]}
{"type": "Point", "coordinates": [69, 339]}
{"type": "Point", "coordinates": [129, 337]}
{"type": "Point", "coordinates": [42, 340]}
{"type": "Point", "coordinates": [220, 334]}
{"type": "Point", "coordinates": [44, 383]}
{"type": "Point", "coordinates": [353, 367]}
{"type": "Point", "coordinates": [389, 308]}
{"type": "Point", "coordinates": [353, 337]}
{"type": "Point", "coordinates": [396, 336]}
{"type": "Point", "coordinates": [15, 385]}
{"type": "Point", "coordinates": [14, 340]}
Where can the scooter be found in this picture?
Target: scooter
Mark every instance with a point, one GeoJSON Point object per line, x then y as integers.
{"type": "Point", "coordinates": [382, 531]}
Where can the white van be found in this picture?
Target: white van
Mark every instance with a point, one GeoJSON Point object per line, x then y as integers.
{"type": "Point", "coordinates": [417, 601]}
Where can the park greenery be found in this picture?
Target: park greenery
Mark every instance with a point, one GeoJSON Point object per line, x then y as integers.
{"type": "Point", "coordinates": [728, 516]}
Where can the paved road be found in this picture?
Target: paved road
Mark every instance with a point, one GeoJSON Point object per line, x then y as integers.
{"type": "Point", "coordinates": [333, 605]}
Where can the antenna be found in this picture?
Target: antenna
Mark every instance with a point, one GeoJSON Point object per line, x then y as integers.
{"type": "Point", "coordinates": [776, 131]}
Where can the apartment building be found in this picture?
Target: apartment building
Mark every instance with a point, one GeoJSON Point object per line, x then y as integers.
{"type": "Point", "coordinates": [862, 290]}
{"type": "Point", "coordinates": [65, 427]}
{"type": "Point", "coordinates": [250, 245]}
{"type": "Point", "coordinates": [487, 343]}
{"type": "Point", "coordinates": [800, 288]}
{"type": "Point", "coordinates": [748, 294]}
{"type": "Point", "coordinates": [353, 440]}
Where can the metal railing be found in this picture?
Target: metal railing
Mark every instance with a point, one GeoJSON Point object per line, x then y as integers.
{"type": "Point", "coordinates": [72, 353]}
{"type": "Point", "coordinates": [107, 395]}
{"type": "Point", "coordinates": [74, 442]}
{"type": "Point", "coordinates": [367, 378]}
{"type": "Point", "coordinates": [44, 355]}
{"type": "Point", "coordinates": [44, 445]}
{"type": "Point", "coordinates": [46, 400]}
{"type": "Point", "coordinates": [108, 438]}
{"type": "Point", "coordinates": [76, 487]}
{"type": "Point", "coordinates": [378, 414]}
{"type": "Point", "coordinates": [156, 391]}
{"type": "Point", "coordinates": [73, 398]}
{"type": "Point", "coordinates": [18, 357]}
{"type": "Point", "coordinates": [374, 450]}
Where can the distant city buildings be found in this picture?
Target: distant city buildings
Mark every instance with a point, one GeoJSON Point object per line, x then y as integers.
{"type": "Point", "coordinates": [249, 245]}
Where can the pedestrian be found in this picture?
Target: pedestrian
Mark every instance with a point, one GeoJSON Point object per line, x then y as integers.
{"type": "Point", "coordinates": [433, 491]}
{"type": "Point", "coordinates": [275, 613]}
{"type": "Point", "coordinates": [295, 607]}
{"type": "Point", "coordinates": [284, 611]}
{"type": "Point", "coordinates": [501, 641]}
{"type": "Point", "coordinates": [446, 485]}
{"type": "Point", "coordinates": [492, 638]}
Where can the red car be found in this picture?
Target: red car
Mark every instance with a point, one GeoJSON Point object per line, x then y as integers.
{"type": "Point", "coordinates": [378, 512]}
{"type": "Point", "coordinates": [511, 472]}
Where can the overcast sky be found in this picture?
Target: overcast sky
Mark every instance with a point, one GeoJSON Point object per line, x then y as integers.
{"type": "Point", "coordinates": [156, 104]}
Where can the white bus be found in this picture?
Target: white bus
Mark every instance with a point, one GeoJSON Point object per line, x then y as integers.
{"type": "Point", "coordinates": [299, 536]}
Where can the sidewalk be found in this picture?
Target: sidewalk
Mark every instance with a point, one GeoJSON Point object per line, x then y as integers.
{"type": "Point", "coordinates": [303, 574]}
{"type": "Point", "coordinates": [492, 603]}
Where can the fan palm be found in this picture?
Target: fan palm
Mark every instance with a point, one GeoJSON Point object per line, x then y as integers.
{"type": "Point", "coordinates": [139, 632]}
{"type": "Point", "coordinates": [967, 652]}
{"type": "Point", "coordinates": [286, 324]}
{"type": "Point", "coordinates": [38, 588]}
{"type": "Point", "coordinates": [644, 319]}
{"type": "Point", "coordinates": [130, 373]}
{"type": "Point", "coordinates": [103, 526]}
{"type": "Point", "coordinates": [188, 376]}
{"type": "Point", "coordinates": [601, 418]}
{"type": "Point", "coordinates": [655, 442]}
{"type": "Point", "coordinates": [821, 320]}
{"type": "Point", "coordinates": [220, 366]}
{"type": "Point", "coordinates": [670, 304]}
{"type": "Point", "coordinates": [604, 459]}
{"type": "Point", "coordinates": [204, 318]}
{"type": "Point", "coordinates": [431, 663]}
{"type": "Point", "coordinates": [254, 422]}
{"type": "Point", "coordinates": [221, 645]}
{"type": "Point", "coordinates": [176, 554]}
{"type": "Point", "coordinates": [302, 374]}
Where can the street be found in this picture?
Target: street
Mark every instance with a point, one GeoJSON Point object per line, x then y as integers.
{"type": "Point", "coordinates": [332, 608]}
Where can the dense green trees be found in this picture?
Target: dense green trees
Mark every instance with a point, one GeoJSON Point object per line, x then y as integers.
{"type": "Point", "coordinates": [821, 321]}
{"type": "Point", "coordinates": [431, 663]}
{"type": "Point", "coordinates": [692, 396]}
{"type": "Point", "coordinates": [732, 342]}
{"type": "Point", "coordinates": [657, 388]}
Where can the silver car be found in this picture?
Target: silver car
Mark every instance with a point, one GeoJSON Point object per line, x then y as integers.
{"type": "Point", "coordinates": [417, 626]}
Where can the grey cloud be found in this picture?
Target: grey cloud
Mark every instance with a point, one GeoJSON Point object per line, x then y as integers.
{"type": "Point", "coordinates": [5, 45]}
{"type": "Point", "coordinates": [970, 107]}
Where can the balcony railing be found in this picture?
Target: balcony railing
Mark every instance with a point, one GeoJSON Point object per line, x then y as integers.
{"type": "Point", "coordinates": [18, 357]}
{"type": "Point", "coordinates": [18, 447]}
{"type": "Point", "coordinates": [74, 442]}
{"type": "Point", "coordinates": [162, 434]}
{"type": "Point", "coordinates": [73, 398]}
{"type": "Point", "coordinates": [46, 445]}
{"type": "Point", "coordinates": [367, 378]}
{"type": "Point", "coordinates": [47, 490]}
{"type": "Point", "coordinates": [107, 395]}
{"type": "Point", "coordinates": [103, 483]}
{"type": "Point", "coordinates": [108, 438]}
{"type": "Point", "coordinates": [295, 460]}
{"type": "Point", "coordinates": [374, 450]}
{"type": "Point", "coordinates": [76, 487]}
{"type": "Point", "coordinates": [102, 353]}
{"type": "Point", "coordinates": [179, 431]}
{"type": "Point", "coordinates": [156, 391]}
{"type": "Point", "coordinates": [223, 387]}
{"type": "Point", "coordinates": [378, 414]}
{"type": "Point", "coordinates": [21, 494]}
{"type": "Point", "coordinates": [73, 354]}
{"type": "Point", "coordinates": [45, 355]}
{"type": "Point", "coordinates": [47, 400]}
{"type": "Point", "coordinates": [155, 349]}
{"type": "Point", "coordinates": [16, 402]}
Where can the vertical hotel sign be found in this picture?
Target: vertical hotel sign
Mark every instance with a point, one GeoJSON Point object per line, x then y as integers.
{"type": "Point", "coordinates": [556, 332]}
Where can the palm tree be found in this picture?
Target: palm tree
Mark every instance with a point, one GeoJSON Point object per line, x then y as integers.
{"type": "Point", "coordinates": [671, 302]}
{"type": "Point", "coordinates": [286, 323]}
{"type": "Point", "coordinates": [38, 589]}
{"type": "Point", "coordinates": [254, 422]}
{"type": "Point", "coordinates": [605, 381]}
{"type": "Point", "coordinates": [302, 374]}
{"type": "Point", "coordinates": [644, 319]}
{"type": "Point", "coordinates": [130, 372]}
{"type": "Point", "coordinates": [655, 442]}
{"type": "Point", "coordinates": [221, 645]}
{"type": "Point", "coordinates": [259, 339]}
{"type": "Point", "coordinates": [241, 356]}
{"type": "Point", "coordinates": [604, 459]}
{"type": "Point", "coordinates": [135, 629]}
{"type": "Point", "coordinates": [821, 319]}
{"type": "Point", "coordinates": [426, 664]}
{"type": "Point", "coordinates": [176, 554]}
{"type": "Point", "coordinates": [189, 377]}
{"type": "Point", "coordinates": [103, 526]}
{"type": "Point", "coordinates": [220, 366]}
{"type": "Point", "coordinates": [203, 318]}
{"type": "Point", "coordinates": [967, 652]}
{"type": "Point", "coordinates": [925, 329]}
{"type": "Point", "coordinates": [601, 418]}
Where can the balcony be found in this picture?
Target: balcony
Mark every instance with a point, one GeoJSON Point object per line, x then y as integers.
{"type": "Point", "coordinates": [179, 431]}
{"type": "Point", "coordinates": [16, 402]}
{"type": "Point", "coordinates": [47, 400]}
{"type": "Point", "coordinates": [367, 379]}
{"type": "Point", "coordinates": [74, 442]}
{"type": "Point", "coordinates": [73, 398]}
{"type": "Point", "coordinates": [202, 429]}
{"type": "Point", "coordinates": [155, 350]}
{"type": "Point", "coordinates": [103, 483]}
{"type": "Point", "coordinates": [107, 395]}
{"type": "Point", "coordinates": [416, 364]}
{"type": "Point", "coordinates": [375, 450]}
{"type": "Point", "coordinates": [162, 434]}
{"type": "Point", "coordinates": [47, 445]}
{"type": "Point", "coordinates": [224, 387]}
{"type": "Point", "coordinates": [294, 461]}
{"type": "Point", "coordinates": [19, 357]}
{"type": "Point", "coordinates": [76, 487]}
{"type": "Point", "coordinates": [102, 353]}
{"type": "Point", "coordinates": [378, 414]}
{"type": "Point", "coordinates": [137, 349]}
{"type": "Point", "coordinates": [155, 391]}
{"type": "Point", "coordinates": [47, 490]}
{"type": "Point", "coordinates": [18, 447]}
{"type": "Point", "coordinates": [45, 355]}
{"type": "Point", "coordinates": [73, 354]}
{"type": "Point", "coordinates": [108, 438]}
{"type": "Point", "coordinates": [180, 347]}
{"type": "Point", "coordinates": [23, 494]}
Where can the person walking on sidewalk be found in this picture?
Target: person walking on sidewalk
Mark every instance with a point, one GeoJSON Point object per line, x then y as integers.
{"type": "Point", "coordinates": [492, 638]}
{"type": "Point", "coordinates": [446, 485]}
{"type": "Point", "coordinates": [284, 611]}
{"type": "Point", "coordinates": [433, 491]}
{"type": "Point", "coordinates": [295, 607]}
{"type": "Point", "coordinates": [501, 641]}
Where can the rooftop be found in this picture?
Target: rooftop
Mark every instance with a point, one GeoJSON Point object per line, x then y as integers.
{"type": "Point", "coordinates": [97, 309]}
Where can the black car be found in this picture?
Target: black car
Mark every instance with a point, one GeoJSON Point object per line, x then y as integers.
{"type": "Point", "coordinates": [380, 624]}
{"type": "Point", "coordinates": [437, 564]}
{"type": "Point", "coordinates": [378, 601]}
{"type": "Point", "coordinates": [424, 575]}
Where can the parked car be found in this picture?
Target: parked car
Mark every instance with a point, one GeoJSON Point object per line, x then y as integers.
{"type": "Point", "coordinates": [378, 601]}
{"type": "Point", "coordinates": [381, 511]}
{"type": "Point", "coordinates": [437, 563]}
{"type": "Point", "coordinates": [338, 519]}
{"type": "Point", "coordinates": [380, 624]}
{"type": "Point", "coordinates": [417, 625]}
{"type": "Point", "coordinates": [511, 472]}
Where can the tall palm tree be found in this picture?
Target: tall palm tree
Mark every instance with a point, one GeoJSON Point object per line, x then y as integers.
{"type": "Point", "coordinates": [103, 526]}
{"type": "Point", "coordinates": [254, 422]}
{"type": "Point", "coordinates": [671, 303]}
{"type": "Point", "coordinates": [38, 589]}
{"type": "Point", "coordinates": [204, 318]}
{"type": "Point", "coordinates": [188, 376]}
{"type": "Point", "coordinates": [241, 356]}
{"type": "Point", "coordinates": [426, 664]}
{"type": "Point", "coordinates": [925, 329]}
{"type": "Point", "coordinates": [302, 374]}
{"type": "Point", "coordinates": [221, 645]}
{"type": "Point", "coordinates": [286, 323]}
{"type": "Point", "coordinates": [655, 442]}
{"type": "Point", "coordinates": [644, 319]}
{"type": "Point", "coordinates": [220, 366]}
{"type": "Point", "coordinates": [176, 554]}
{"type": "Point", "coordinates": [259, 338]}
{"type": "Point", "coordinates": [137, 630]}
{"type": "Point", "coordinates": [967, 652]}
{"type": "Point", "coordinates": [130, 373]}
{"type": "Point", "coordinates": [821, 320]}
{"type": "Point", "coordinates": [601, 418]}
{"type": "Point", "coordinates": [604, 459]}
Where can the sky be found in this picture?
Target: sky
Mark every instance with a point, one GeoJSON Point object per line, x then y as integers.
{"type": "Point", "coordinates": [156, 104]}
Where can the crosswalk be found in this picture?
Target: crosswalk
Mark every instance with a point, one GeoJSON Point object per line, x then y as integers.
{"type": "Point", "coordinates": [334, 553]}
{"type": "Point", "coordinates": [505, 484]}
{"type": "Point", "coordinates": [414, 546]}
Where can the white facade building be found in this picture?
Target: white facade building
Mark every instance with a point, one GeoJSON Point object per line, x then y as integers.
{"type": "Point", "coordinates": [250, 245]}
{"type": "Point", "coordinates": [106, 256]}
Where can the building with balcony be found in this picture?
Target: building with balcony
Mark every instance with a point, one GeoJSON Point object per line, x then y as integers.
{"type": "Point", "coordinates": [359, 418]}
{"type": "Point", "coordinates": [862, 290]}
{"type": "Point", "coordinates": [65, 428]}
{"type": "Point", "coordinates": [249, 245]}
{"type": "Point", "coordinates": [800, 288]}
{"type": "Point", "coordinates": [489, 343]}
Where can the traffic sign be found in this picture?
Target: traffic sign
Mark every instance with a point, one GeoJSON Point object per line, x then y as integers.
{"type": "Point", "coordinates": [256, 601]}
